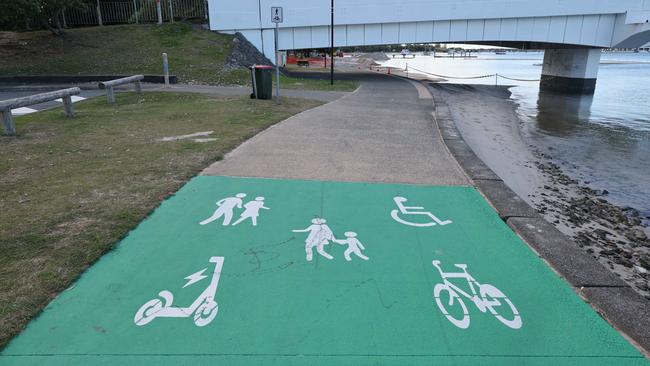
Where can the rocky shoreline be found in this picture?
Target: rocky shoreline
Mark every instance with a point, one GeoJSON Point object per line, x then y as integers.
{"type": "Point", "coordinates": [615, 236]}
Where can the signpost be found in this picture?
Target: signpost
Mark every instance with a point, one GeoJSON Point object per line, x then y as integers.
{"type": "Point", "coordinates": [332, 44]}
{"type": "Point", "coordinates": [276, 17]}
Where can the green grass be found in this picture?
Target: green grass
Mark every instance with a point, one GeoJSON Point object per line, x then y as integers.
{"type": "Point", "coordinates": [70, 188]}
{"type": "Point", "coordinates": [195, 55]}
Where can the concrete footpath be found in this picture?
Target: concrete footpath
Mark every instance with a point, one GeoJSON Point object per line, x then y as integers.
{"type": "Point", "coordinates": [345, 235]}
{"type": "Point", "coordinates": [383, 132]}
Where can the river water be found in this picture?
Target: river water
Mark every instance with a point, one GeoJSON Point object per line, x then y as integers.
{"type": "Point", "coordinates": [603, 140]}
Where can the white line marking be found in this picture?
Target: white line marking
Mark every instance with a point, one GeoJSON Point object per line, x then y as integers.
{"type": "Point", "coordinates": [22, 110]}
{"type": "Point", "coordinates": [73, 97]}
{"type": "Point", "coordinates": [181, 137]}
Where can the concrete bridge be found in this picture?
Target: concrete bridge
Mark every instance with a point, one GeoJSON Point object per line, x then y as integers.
{"type": "Point", "coordinates": [572, 31]}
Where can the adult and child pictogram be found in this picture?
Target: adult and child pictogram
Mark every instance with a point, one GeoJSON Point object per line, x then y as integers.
{"type": "Point", "coordinates": [226, 208]}
{"type": "Point", "coordinates": [320, 235]}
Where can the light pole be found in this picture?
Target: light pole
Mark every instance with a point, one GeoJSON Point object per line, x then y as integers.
{"type": "Point", "coordinates": [332, 45]}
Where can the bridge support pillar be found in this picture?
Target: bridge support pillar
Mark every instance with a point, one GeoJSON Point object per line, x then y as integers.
{"type": "Point", "coordinates": [571, 71]}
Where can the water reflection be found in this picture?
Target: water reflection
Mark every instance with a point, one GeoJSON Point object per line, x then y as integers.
{"type": "Point", "coordinates": [603, 138]}
{"type": "Point", "coordinates": [561, 114]}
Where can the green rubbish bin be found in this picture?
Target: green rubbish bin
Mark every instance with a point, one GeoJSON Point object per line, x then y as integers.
{"type": "Point", "coordinates": [262, 76]}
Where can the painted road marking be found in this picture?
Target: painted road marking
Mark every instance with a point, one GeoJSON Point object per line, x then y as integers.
{"type": "Point", "coordinates": [487, 298]}
{"type": "Point", "coordinates": [204, 309]}
{"type": "Point", "coordinates": [75, 98]}
{"type": "Point", "coordinates": [22, 111]}
{"type": "Point", "coordinates": [276, 308]}
{"type": "Point", "coordinates": [226, 207]}
{"type": "Point", "coordinates": [414, 211]}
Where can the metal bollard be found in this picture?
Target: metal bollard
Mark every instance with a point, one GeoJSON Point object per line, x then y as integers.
{"type": "Point", "coordinates": [165, 69]}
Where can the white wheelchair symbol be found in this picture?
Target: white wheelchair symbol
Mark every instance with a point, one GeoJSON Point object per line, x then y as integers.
{"type": "Point", "coordinates": [488, 298]}
{"type": "Point", "coordinates": [204, 308]}
{"type": "Point", "coordinates": [413, 211]}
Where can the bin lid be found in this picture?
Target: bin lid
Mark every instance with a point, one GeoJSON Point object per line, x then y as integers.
{"type": "Point", "coordinates": [263, 67]}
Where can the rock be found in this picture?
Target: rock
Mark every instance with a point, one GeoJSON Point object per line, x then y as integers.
{"type": "Point", "coordinates": [640, 270]}
{"type": "Point", "coordinates": [244, 54]}
{"type": "Point", "coordinates": [636, 234]}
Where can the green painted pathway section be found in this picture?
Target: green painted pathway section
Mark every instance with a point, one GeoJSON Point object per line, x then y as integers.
{"type": "Point", "coordinates": [277, 308]}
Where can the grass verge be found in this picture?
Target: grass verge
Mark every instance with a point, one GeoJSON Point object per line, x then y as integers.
{"type": "Point", "coordinates": [70, 188]}
{"type": "Point", "coordinates": [195, 55]}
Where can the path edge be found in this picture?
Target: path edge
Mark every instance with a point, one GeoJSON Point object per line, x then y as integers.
{"type": "Point", "coordinates": [212, 169]}
{"type": "Point", "coordinates": [616, 302]}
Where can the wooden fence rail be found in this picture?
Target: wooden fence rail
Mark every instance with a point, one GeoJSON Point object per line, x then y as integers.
{"type": "Point", "coordinates": [111, 84]}
{"type": "Point", "coordinates": [7, 105]}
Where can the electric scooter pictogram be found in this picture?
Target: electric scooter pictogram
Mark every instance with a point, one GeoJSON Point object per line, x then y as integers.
{"type": "Point", "coordinates": [488, 298]}
{"type": "Point", "coordinates": [204, 308]}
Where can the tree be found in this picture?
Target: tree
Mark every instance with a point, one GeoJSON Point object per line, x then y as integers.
{"type": "Point", "coordinates": [20, 14]}
{"type": "Point", "coordinates": [17, 14]}
{"type": "Point", "coordinates": [51, 13]}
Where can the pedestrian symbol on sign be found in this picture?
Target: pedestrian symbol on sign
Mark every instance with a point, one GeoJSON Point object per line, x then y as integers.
{"type": "Point", "coordinates": [276, 14]}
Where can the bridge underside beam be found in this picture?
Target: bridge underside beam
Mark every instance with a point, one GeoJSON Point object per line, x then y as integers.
{"type": "Point", "coordinates": [570, 70]}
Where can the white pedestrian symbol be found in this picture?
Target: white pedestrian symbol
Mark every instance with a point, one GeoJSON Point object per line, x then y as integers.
{"type": "Point", "coordinates": [488, 298]}
{"type": "Point", "coordinates": [226, 209]}
{"type": "Point", "coordinates": [403, 210]}
{"type": "Point", "coordinates": [319, 235]}
{"type": "Point", "coordinates": [252, 211]}
{"type": "Point", "coordinates": [204, 309]}
{"type": "Point", "coordinates": [354, 246]}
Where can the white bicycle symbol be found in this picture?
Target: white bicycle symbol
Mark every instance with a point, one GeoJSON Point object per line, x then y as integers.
{"type": "Point", "coordinates": [204, 307]}
{"type": "Point", "coordinates": [414, 210]}
{"type": "Point", "coordinates": [488, 298]}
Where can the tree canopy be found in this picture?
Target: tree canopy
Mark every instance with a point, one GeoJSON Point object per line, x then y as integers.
{"type": "Point", "coordinates": [29, 14]}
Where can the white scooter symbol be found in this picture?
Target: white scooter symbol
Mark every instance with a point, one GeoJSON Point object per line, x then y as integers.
{"type": "Point", "coordinates": [409, 210]}
{"type": "Point", "coordinates": [204, 308]}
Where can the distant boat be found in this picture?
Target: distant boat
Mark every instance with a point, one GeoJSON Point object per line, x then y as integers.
{"type": "Point", "coordinates": [499, 52]}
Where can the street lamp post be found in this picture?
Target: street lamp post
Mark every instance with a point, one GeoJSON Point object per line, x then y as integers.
{"type": "Point", "coordinates": [332, 45]}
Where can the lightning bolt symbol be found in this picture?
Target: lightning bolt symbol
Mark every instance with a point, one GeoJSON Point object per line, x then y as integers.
{"type": "Point", "coordinates": [195, 277]}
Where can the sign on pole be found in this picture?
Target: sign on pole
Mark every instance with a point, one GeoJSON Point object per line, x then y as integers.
{"type": "Point", "coordinates": [276, 17]}
{"type": "Point", "coordinates": [276, 14]}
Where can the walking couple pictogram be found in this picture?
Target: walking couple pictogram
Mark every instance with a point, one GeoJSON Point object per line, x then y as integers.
{"type": "Point", "coordinates": [226, 208]}
{"type": "Point", "coordinates": [320, 235]}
